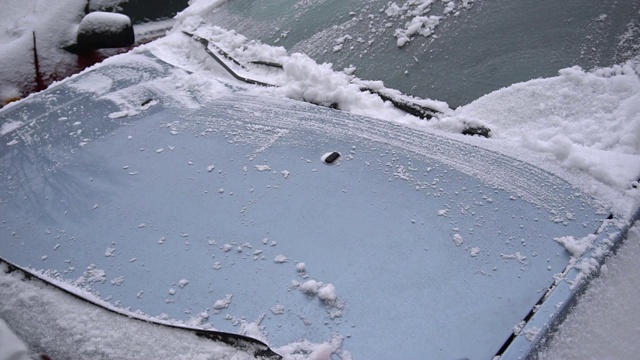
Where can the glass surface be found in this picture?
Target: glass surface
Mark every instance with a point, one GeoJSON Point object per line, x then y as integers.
{"type": "Point", "coordinates": [490, 45]}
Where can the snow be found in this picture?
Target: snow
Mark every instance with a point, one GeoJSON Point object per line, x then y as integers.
{"type": "Point", "coordinates": [182, 283]}
{"type": "Point", "coordinates": [577, 247]}
{"type": "Point", "coordinates": [112, 336]}
{"type": "Point", "coordinates": [223, 303]}
{"type": "Point", "coordinates": [327, 293]}
{"type": "Point", "coordinates": [52, 23]}
{"type": "Point", "coordinates": [103, 22]}
{"type": "Point", "coordinates": [12, 347]}
{"type": "Point", "coordinates": [420, 22]}
{"type": "Point", "coordinates": [10, 126]}
{"type": "Point", "coordinates": [309, 287]}
{"type": "Point", "coordinates": [587, 121]}
{"type": "Point", "coordinates": [458, 239]}
{"type": "Point", "coordinates": [277, 310]}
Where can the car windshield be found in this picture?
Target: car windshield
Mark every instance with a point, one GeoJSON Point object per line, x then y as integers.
{"type": "Point", "coordinates": [452, 51]}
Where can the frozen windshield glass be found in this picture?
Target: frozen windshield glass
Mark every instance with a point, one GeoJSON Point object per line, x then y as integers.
{"type": "Point", "coordinates": [441, 49]}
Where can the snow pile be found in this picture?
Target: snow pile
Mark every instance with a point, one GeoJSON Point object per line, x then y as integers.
{"type": "Point", "coordinates": [588, 122]}
{"type": "Point", "coordinates": [92, 332]}
{"type": "Point", "coordinates": [53, 26]}
{"type": "Point", "coordinates": [104, 22]}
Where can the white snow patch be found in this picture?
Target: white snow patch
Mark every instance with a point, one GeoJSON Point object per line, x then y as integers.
{"type": "Point", "coordinates": [309, 287]}
{"type": "Point", "coordinates": [517, 256]}
{"type": "Point", "coordinates": [577, 247]}
{"type": "Point", "coordinates": [277, 310]}
{"type": "Point", "coordinates": [10, 126]}
{"type": "Point", "coordinates": [223, 303]}
{"type": "Point", "coordinates": [117, 281]}
{"type": "Point", "coordinates": [93, 83]}
{"type": "Point", "coordinates": [327, 293]}
{"type": "Point", "coordinates": [182, 283]}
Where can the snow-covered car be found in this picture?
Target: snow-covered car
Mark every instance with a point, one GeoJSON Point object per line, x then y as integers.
{"type": "Point", "coordinates": [211, 184]}
{"type": "Point", "coordinates": [43, 41]}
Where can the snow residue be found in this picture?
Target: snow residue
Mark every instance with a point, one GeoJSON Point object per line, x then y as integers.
{"type": "Point", "coordinates": [309, 287]}
{"type": "Point", "coordinates": [182, 283]}
{"type": "Point", "coordinates": [279, 259]}
{"type": "Point", "coordinates": [327, 293]}
{"type": "Point", "coordinates": [420, 22]}
{"type": "Point", "coordinates": [340, 42]}
{"type": "Point", "coordinates": [192, 15]}
{"type": "Point", "coordinates": [517, 256]}
{"type": "Point", "coordinates": [117, 281]}
{"type": "Point", "coordinates": [263, 168]}
{"type": "Point", "coordinates": [457, 239]}
{"type": "Point", "coordinates": [577, 247]}
{"type": "Point", "coordinates": [474, 251]}
{"type": "Point", "coordinates": [423, 25]}
{"type": "Point", "coordinates": [93, 83]}
{"type": "Point", "coordinates": [530, 334]}
{"type": "Point", "coordinates": [109, 252]}
{"type": "Point", "coordinates": [223, 303]}
{"type": "Point", "coordinates": [301, 267]}
{"type": "Point", "coordinates": [91, 275]}
{"type": "Point", "coordinates": [304, 349]}
{"type": "Point", "coordinates": [277, 310]}
{"type": "Point", "coordinates": [10, 126]}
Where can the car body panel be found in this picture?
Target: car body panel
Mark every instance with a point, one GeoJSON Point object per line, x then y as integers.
{"type": "Point", "coordinates": [203, 212]}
